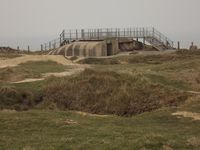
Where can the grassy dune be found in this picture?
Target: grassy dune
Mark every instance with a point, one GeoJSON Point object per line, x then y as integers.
{"type": "Point", "coordinates": [69, 130]}
{"type": "Point", "coordinates": [29, 70]}
{"type": "Point", "coordinates": [135, 98]}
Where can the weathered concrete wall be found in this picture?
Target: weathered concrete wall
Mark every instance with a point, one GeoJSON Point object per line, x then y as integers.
{"type": "Point", "coordinates": [85, 49]}
{"type": "Point", "coordinates": [97, 48]}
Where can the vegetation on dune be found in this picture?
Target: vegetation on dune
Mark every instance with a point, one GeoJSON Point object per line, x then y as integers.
{"type": "Point", "coordinates": [9, 55]}
{"type": "Point", "coordinates": [188, 52]}
{"type": "Point", "coordinates": [101, 92]}
{"type": "Point", "coordinates": [51, 130]}
{"type": "Point", "coordinates": [102, 61]}
{"type": "Point", "coordinates": [29, 70]}
{"type": "Point", "coordinates": [141, 84]}
{"type": "Point", "coordinates": [110, 93]}
{"type": "Point", "coordinates": [12, 98]}
{"type": "Point", "coordinates": [138, 59]}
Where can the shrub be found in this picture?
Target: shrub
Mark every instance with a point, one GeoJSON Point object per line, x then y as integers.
{"type": "Point", "coordinates": [110, 93]}
{"type": "Point", "coordinates": [12, 98]}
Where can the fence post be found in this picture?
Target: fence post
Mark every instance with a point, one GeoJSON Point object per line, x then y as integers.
{"type": "Point", "coordinates": [70, 35]}
{"type": "Point", "coordinates": [153, 32]}
{"type": "Point", "coordinates": [82, 34]}
{"type": "Point", "coordinates": [178, 45]}
{"type": "Point", "coordinates": [63, 35]}
{"type": "Point", "coordinates": [76, 34]}
{"type": "Point", "coordinates": [28, 48]}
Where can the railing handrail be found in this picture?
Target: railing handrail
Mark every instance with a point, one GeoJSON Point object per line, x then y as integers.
{"type": "Point", "coordinates": [103, 33]}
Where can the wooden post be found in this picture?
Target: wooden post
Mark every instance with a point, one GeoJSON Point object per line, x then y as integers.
{"type": "Point", "coordinates": [192, 44]}
{"type": "Point", "coordinates": [63, 35]}
{"type": "Point", "coordinates": [70, 35]}
{"type": "Point", "coordinates": [82, 34]}
{"type": "Point", "coordinates": [28, 48]}
{"type": "Point", "coordinates": [98, 34]}
{"type": "Point", "coordinates": [76, 34]}
{"type": "Point", "coordinates": [178, 45]}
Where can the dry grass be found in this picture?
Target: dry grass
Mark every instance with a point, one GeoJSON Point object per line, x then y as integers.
{"type": "Point", "coordinates": [110, 93]}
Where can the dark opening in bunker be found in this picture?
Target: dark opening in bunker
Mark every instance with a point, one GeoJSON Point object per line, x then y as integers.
{"type": "Point", "coordinates": [109, 49]}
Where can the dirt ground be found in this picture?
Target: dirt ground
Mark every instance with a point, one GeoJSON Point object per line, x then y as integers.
{"type": "Point", "coordinates": [194, 116]}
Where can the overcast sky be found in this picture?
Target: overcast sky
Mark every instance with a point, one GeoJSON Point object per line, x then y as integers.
{"type": "Point", "coordinates": [32, 22]}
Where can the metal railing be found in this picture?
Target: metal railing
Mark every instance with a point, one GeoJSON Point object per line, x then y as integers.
{"type": "Point", "coordinates": [68, 36]}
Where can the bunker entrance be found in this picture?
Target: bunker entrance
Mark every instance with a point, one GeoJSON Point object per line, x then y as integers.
{"type": "Point", "coordinates": [109, 49]}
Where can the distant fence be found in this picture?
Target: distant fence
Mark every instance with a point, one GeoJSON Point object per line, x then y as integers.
{"type": "Point", "coordinates": [68, 36]}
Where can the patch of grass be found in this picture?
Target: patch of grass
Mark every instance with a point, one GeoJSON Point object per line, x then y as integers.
{"type": "Point", "coordinates": [167, 82]}
{"type": "Point", "coordinates": [9, 55]}
{"type": "Point", "coordinates": [188, 52]}
{"type": "Point", "coordinates": [110, 93]}
{"type": "Point", "coordinates": [20, 96]}
{"type": "Point", "coordinates": [137, 59]}
{"type": "Point", "coordinates": [104, 61]}
{"type": "Point", "coordinates": [50, 130]}
{"type": "Point", "coordinates": [29, 70]}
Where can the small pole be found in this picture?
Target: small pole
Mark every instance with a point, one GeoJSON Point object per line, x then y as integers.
{"type": "Point", "coordinates": [192, 44]}
{"type": "Point", "coordinates": [70, 33]}
{"type": "Point", "coordinates": [76, 34]}
{"type": "Point", "coordinates": [63, 35]}
{"type": "Point", "coordinates": [178, 45]}
{"type": "Point", "coordinates": [28, 48]}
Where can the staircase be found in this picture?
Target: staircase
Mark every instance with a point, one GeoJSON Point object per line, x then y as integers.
{"type": "Point", "coordinates": [159, 41]}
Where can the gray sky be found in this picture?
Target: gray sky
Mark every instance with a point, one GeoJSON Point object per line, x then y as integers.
{"type": "Point", "coordinates": [32, 22]}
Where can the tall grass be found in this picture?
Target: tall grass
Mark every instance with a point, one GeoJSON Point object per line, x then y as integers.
{"type": "Point", "coordinates": [109, 93]}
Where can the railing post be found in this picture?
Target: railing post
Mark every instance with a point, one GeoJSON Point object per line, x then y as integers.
{"type": "Point", "coordinates": [82, 34]}
{"type": "Point", "coordinates": [76, 34]}
{"type": "Point", "coordinates": [70, 35]}
{"type": "Point", "coordinates": [63, 35]}
{"type": "Point", "coordinates": [153, 32]}
{"type": "Point", "coordinates": [98, 34]}
{"type": "Point", "coordinates": [60, 40]}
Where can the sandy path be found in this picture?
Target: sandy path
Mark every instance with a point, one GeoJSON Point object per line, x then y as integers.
{"type": "Point", "coordinates": [69, 72]}
{"type": "Point", "coordinates": [18, 60]}
{"type": "Point", "coordinates": [194, 116]}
